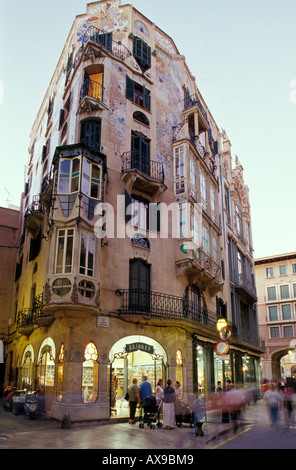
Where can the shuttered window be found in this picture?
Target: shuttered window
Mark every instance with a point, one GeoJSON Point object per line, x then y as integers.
{"type": "Point", "coordinates": [91, 134]}
{"type": "Point", "coordinates": [142, 53]}
{"type": "Point", "coordinates": [137, 93]}
{"type": "Point", "coordinates": [140, 157]}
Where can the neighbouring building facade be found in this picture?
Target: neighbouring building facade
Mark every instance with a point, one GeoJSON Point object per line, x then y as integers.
{"type": "Point", "coordinates": [135, 229]}
{"type": "Point", "coordinates": [276, 287]}
{"type": "Point", "coordinates": [9, 239]}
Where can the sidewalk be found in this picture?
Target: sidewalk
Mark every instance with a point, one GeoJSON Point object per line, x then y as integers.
{"type": "Point", "coordinates": [18, 433]}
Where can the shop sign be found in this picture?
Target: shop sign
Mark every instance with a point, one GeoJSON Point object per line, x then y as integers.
{"type": "Point", "coordinates": [139, 347]}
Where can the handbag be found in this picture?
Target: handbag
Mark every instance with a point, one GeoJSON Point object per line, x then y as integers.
{"type": "Point", "coordinates": [126, 396]}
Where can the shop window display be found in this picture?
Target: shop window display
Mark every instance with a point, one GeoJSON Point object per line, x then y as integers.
{"type": "Point", "coordinates": [179, 367]}
{"type": "Point", "coordinates": [60, 373]}
{"type": "Point", "coordinates": [90, 374]}
{"type": "Point", "coordinates": [26, 372]}
{"type": "Point", "coordinates": [200, 370]}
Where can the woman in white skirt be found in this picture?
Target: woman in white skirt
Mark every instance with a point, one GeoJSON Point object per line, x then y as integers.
{"type": "Point", "coordinates": [169, 399]}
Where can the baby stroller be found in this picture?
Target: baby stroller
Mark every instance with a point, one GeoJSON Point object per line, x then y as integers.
{"type": "Point", "coordinates": [184, 414]}
{"type": "Point", "coordinates": [151, 413]}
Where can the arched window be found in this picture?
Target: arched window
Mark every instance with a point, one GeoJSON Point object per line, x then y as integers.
{"type": "Point", "coordinates": [45, 373]}
{"type": "Point", "coordinates": [138, 116]}
{"type": "Point", "coordinates": [90, 374]}
{"type": "Point", "coordinates": [26, 382]}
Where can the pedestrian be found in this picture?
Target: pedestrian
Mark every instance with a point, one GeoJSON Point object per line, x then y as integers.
{"type": "Point", "coordinates": [145, 389]}
{"type": "Point", "coordinates": [234, 403]}
{"type": "Point", "coordinates": [159, 392]}
{"type": "Point", "coordinates": [219, 387]}
{"type": "Point", "coordinates": [178, 390]}
{"type": "Point", "coordinates": [273, 400]}
{"type": "Point", "coordinates": [133, 400]}
{"type": "Point", "coordinates": [288, 404]}
{"type": "Point", "coordinates": [169, 417]}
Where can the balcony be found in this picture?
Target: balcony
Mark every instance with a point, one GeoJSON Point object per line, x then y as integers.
{"type": "Point", "coordinates": [245, 287]}
{"type": "Point", "coordinates": [193, 100]}
{"type": "Point", "coordinates": [46, 190]}
{"type": "Point", "coordinates": [25, 321]}
{"type": "Point", "coordinates": [151, 304]}
{"type": "Point", "coordinates": [91, 96]}
{"type": "Point", "coordinates": [40, 317]}
{"type": "Point", "coordinates": [29, 318]}
{"type": "Point", "coordinates": [34, 216]}
{"type": "Point", "coordinates": [201, 269]}
{"type": "Point", "coordinates": [106, 43]}
{"type": "Point", "coordinates": [139, 173]}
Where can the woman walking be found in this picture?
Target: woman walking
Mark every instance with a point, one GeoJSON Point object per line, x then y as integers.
{"type": "Point", "coordinates": [169, 400]}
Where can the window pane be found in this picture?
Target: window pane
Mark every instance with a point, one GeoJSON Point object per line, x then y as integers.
{"type": "Point", "coordinates": [85, 177]}
{"type": "Point", "coordinates": [271, 293]}
{"type": "Point", "coordinates": [91, 247]}
{"type": "Point", "coordinates": [288, 331]}
{"type": "Point", "coordinates": [69, 250]}
{"type": "Point", "coordinates": [95, 182]}
{"type": "Point", "coordinates": [64, 176]}
{"type": "Point", "coordinates": [283, 270]}
{"type": "Point", "coordinates": [286, 310]}
{"type": "Point", "coordinates": [60, 251]}
{"type": "Point", "coordinates": [294, 268]}
{"type": "Point", "coordinates": [275, 332]}
{"type": "Point", "coordinates": [75, 175]}
{"type": "Point", "coordinates": [273, 313]}
{"type": "Point", "coordinates": [285, 292]}
{"type": "Point", "coordinates": [83, 252]}
{"type": "Point", "coordinates": [269, 272]}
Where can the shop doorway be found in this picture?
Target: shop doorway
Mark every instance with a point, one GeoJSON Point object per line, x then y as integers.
{"type": "Point", "coordinates": [133, 357]}
{"type": "Point", "coordinates": [45, 372]}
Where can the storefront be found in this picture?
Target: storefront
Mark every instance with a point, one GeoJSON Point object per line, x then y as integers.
{"type": "Point", "coordinates": [133, 357]}
{"type": "Point", "coordinates": [209, 368]}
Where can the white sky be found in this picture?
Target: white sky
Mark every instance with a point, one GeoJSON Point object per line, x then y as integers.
{"type": "Point", "coordinates": [243, 57]}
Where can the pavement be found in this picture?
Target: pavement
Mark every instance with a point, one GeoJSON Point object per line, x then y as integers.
{"type": "Point", "coordinates": [17, 432]}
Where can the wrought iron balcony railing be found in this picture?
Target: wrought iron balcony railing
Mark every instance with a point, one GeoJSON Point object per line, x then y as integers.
{"type": "Point", "coordinates": [35, 207]}
{"type": "Point", "coordinates": [93, 89]}
{"type": "Point", "coordinates": [158, 304]}
{"type": "Point", "coordinates": [171, 307]}
{"type": "Point", "coordinates": [242, 282]}
{"type": "Point", "coordinates": [116, 48]}
{"type": "Point", "coordinates": [193, 100]}
{"type": "Point", "coordinates": [25, 318]}
{"type": "Point", "coordinates": [135, 160]}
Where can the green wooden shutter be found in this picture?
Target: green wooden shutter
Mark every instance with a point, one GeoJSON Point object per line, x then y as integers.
{"type": "Point", "coordinates": [130, 87]}
{"type": "Point", "coordinates": [127, 202]}
{"type": "Point", "coordinates": [146, 98]}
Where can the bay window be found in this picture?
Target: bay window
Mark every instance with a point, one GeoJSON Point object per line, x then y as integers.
{"type": "Point", "coordinates": [80, 174]}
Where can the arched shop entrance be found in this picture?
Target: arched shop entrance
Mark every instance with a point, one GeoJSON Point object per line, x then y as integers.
{"type": "Point", "coordinates": [45, 374]}
{"type": "Point", "coordinates": [133, 357]}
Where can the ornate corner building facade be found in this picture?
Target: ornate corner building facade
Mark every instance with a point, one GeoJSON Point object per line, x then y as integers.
{"type": "Point", "coordinates": [125, 145]}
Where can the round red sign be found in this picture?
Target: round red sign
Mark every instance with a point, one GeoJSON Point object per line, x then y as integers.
{"type": "Point", "coordinates": [222, 347]}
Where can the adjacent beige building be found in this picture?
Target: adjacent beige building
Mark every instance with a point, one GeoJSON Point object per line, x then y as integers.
{"type": "Point", "coordinates": [131, 204]}
{"type": "Point", "coordinates": [276, 288]}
